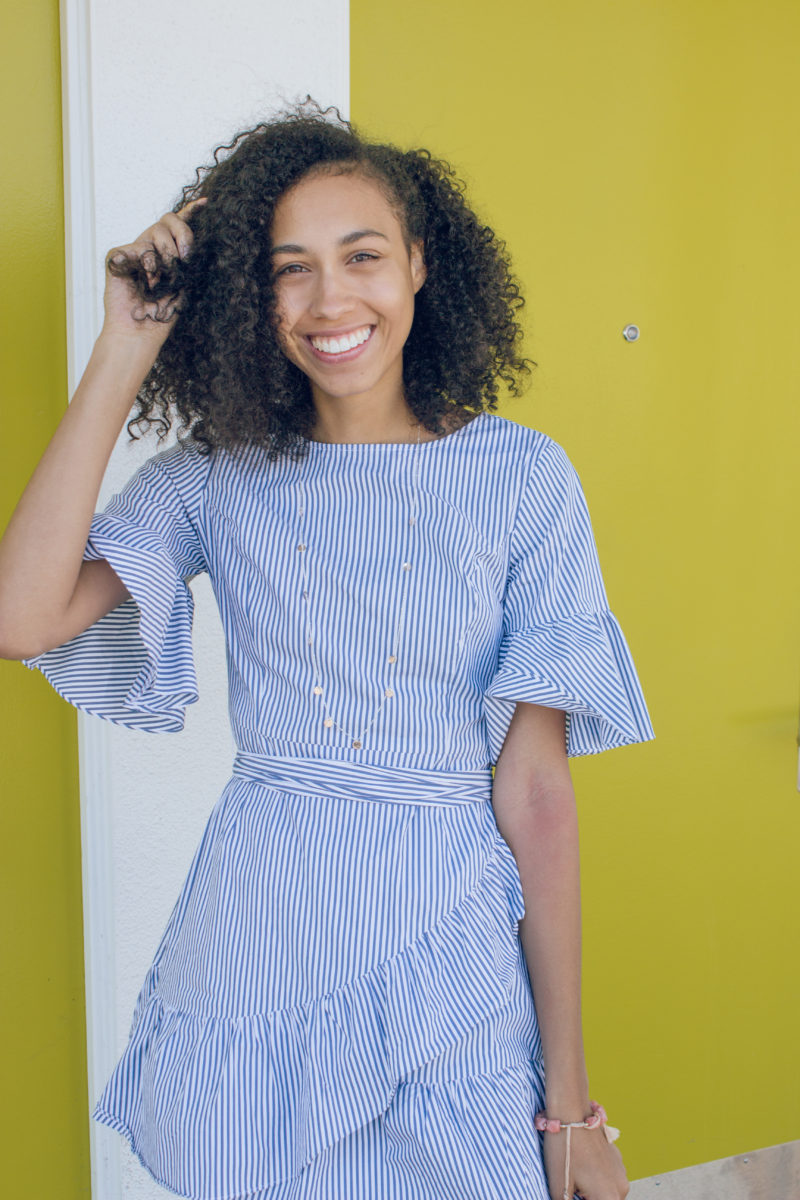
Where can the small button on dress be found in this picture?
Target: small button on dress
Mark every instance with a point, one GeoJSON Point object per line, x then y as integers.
{"type": "Point", "coordinates": [339, 1005]}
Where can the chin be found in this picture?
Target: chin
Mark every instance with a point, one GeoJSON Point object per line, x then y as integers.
{"type": "Point", "coordinates": [342, 390]}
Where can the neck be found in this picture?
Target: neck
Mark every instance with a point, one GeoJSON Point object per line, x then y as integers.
{"type": "Point", "coordinates": [357, 419]}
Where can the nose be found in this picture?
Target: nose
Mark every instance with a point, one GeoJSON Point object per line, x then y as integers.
{"type": "Point", "coordinates": [332, 296]}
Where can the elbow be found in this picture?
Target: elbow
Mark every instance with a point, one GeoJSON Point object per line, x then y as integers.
{"type": "Point", "coordinates": [542, 799]}
{"type": "Point", "coordinates": [14, 652]}
{"type": "Point", "coordinates": [18, 642]}
{"type": "Point", "coordinates": [17, 651]}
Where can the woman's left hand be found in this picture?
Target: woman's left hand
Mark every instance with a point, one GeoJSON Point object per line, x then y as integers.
{"type": "Point", "coordinates": [596, 1168]}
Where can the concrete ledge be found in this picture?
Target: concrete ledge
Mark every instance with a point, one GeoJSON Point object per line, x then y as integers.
{"type": "Point", "coordinates": [769, 1174]}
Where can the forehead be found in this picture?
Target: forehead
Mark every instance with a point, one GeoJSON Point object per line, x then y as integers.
{"type": "Point", "coordinates": [324, 207]}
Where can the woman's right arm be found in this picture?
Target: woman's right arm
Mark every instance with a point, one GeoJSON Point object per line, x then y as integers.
{"type": "Point", "coordinates": [48, 594]}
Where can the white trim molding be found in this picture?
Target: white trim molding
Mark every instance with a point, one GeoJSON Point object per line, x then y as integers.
{"type": "Point", "coordinates": [82, 305]}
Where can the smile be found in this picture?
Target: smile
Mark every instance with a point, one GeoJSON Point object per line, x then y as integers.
{"type": "Point", "coordinates": [342, 346]}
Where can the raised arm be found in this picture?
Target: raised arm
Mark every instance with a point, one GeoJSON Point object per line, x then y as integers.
{"type": "Point", "coordinates": [534, 806]}
{"type": "Point", "coordinates": [48, 594]}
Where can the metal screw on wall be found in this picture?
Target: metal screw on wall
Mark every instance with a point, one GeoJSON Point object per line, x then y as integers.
{"type": "Point", "coordinates": [631, 333]}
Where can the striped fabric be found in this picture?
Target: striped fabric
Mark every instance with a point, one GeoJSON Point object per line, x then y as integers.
{"type": "Point", "coordinates": [339, 1005]}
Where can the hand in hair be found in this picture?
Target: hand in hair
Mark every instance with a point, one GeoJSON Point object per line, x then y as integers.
{"type": "Point", "coordinates": [143, 293]}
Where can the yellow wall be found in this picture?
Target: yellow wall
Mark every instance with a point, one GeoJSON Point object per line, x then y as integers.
{"type": "Point", "coordinates": [641, 163]}
{"type": "Point", "coordinates": [43, 1100]}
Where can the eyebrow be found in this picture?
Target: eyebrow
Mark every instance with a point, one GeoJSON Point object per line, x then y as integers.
{"type": "Point", "coordinates": [347, 240]}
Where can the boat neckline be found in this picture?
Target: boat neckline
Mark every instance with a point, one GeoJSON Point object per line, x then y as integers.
{"type": "Point", "coordinates": [321, 447]}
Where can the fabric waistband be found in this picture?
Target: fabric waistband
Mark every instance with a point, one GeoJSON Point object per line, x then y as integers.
{"type": "Point", "coordinates": [364, 781]}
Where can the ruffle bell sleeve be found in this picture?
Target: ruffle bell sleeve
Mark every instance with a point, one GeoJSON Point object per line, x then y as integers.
{"type": "Point", "coordinates": [135, 665]}
{"type": "Point", "coordinates": [560, 646]}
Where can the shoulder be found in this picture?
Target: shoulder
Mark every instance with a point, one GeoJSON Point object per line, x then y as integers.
{"type": "Point", "coordinates": [530, 456]}
{"type": "Point", "coordinates": [184, 457]}
{"type": "Point", "coordinates": [512, 435]}
{"type": "Point", "coordinates": [182, 468]}
{"type": "Point", "coordinates": [535, 473]}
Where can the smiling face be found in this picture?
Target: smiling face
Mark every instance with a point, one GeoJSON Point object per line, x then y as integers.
{"type": "Point", "coordinates": [345, 282]}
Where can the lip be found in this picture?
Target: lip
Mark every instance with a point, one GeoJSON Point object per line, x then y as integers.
{"type": "Point", "coordinates": [345, 355]}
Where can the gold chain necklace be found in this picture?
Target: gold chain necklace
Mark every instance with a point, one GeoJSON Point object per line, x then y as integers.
{"type": "Point", "coordinates": [390, 662]}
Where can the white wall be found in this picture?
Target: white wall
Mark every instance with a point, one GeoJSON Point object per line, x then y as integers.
{"type": "Point", "coordinates": [149, 90]}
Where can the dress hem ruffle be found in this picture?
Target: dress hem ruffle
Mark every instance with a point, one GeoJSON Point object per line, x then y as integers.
{"type": "Point", "coordinates": [315, 1072]}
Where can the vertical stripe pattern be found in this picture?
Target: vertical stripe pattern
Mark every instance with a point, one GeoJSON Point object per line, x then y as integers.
{"type": "Point", "coordinates": [339, 1004]}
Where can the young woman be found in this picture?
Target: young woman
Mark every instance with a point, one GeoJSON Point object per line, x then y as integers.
{"type": "Point", "coordinates": [342, 1004]}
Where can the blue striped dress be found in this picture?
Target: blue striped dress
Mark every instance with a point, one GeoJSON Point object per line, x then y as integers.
{"type": "Point", "coordinates": [339, 1006]}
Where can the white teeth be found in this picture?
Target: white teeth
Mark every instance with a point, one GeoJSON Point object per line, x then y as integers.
{"type": "Point", "coordinates": [339, 345]}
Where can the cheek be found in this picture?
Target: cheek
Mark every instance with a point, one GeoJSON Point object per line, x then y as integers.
{"type": "Point", "coordinates": [283, 333]}
{"type": "Point", "coordinates": [291, 299]}
{"type": "Point", "coordinates": [394, 297]}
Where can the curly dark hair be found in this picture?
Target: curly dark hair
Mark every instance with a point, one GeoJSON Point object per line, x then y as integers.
{"type": "Point", "coordinates": [222, 373]}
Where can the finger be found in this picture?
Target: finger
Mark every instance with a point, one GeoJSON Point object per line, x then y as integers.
{"type": "Point", "coordinates": [118, 255]}
{"type": "Point", "coordinates": [121, 254]}
{"type": "Point", "coordinates": [185, 237]}
{"type": "Point", "coordinates": [189, 208]}
{"type": "Point", "coordinates": [177, 234]}
{"type": "Point", "coordinates": [141, 252]}
{"type": "Point", "coordinates": [145, 251]}
{"type": "Point", "coordinates": [165, 241]}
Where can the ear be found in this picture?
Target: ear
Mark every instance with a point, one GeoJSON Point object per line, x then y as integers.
{"type": "Point", "coordinates": [419, 271]}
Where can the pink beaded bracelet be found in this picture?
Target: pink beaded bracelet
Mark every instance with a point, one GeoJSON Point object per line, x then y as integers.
{"type": "Point", "coordinates": [596, 1119]}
